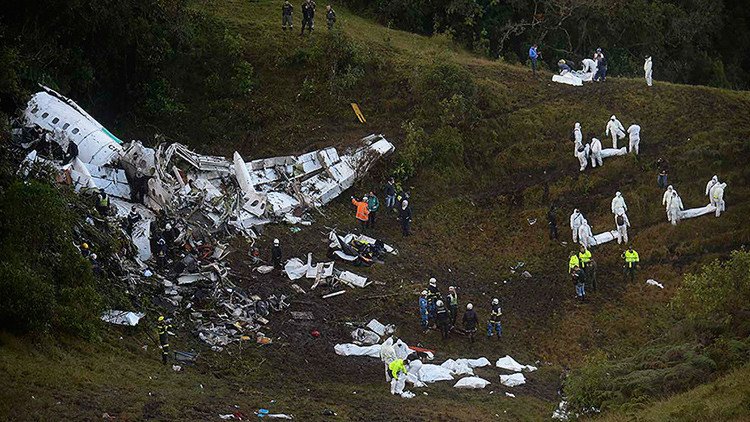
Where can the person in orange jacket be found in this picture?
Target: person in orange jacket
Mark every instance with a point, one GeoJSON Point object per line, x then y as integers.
{"type": "Point", "coordinates": [363, 212]}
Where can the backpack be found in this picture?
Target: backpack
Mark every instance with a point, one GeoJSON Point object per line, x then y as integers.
{"type": "Point", "coordinates": [620, 220]}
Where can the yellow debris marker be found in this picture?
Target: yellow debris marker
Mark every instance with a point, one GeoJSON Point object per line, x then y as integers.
{"type": "Point", "coordinates": [359, 114]}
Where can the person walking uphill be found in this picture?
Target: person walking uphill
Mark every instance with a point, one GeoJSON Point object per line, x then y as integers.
{"type": "Point", "coordinates": [363, 212]}
{"type": "Point", "coordinates": [163, 328]}
{"type": "Point", "coordinates": [373, 205]}
{"type": "Point", "coordinates": [286, 16]}
{"type": "Point", "coordinates": [308, 16]}
{"type": "Point", "coordinates": [631, 262]}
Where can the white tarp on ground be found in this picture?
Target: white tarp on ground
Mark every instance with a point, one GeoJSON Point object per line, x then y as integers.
{"type": "Point", "coordinates": [603, 237]}
{"type": "Point", "coordinates": [472, 382]}
{"type": "Point", "coordinates": [512, 380]}
{"type": "Point", "coordinates": [457, 368]}
{"type": "Point", "coordinates": [354, 350]}
{"type": "Point", "coordinates": [569, 78]}
{"type": "Point", "coordinates": [611, 152]}
{"type": "Point", "coordinates": [510, 364]}
{"type": "Point", "coordinates": [295, 268]}
{"type": "Point", "coordinates": [122, 317]}
{"type": "Point", "coordinates": [697, 212]}
{"type": "Point", "coordinates": [430, 373]}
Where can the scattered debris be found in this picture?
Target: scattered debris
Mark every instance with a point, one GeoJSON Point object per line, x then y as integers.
{"type": "Point", "coordinates": [654, 283]}
{"type": "Point", "coordinates": [334, 294]}
{"type": "Point", "coordinates": [122, 317]}
{"type": "Point", "coordinates": [176, 368]}
{"type": "Point", "coordinates": [308, 316]}
{"type": "Point", "coordinates": [531, 221]}
{"type": "Point", "coordinates": [510, 394]}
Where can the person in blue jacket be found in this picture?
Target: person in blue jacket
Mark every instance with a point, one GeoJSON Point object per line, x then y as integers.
{"type": "Point", "coordinates": [534, 56]}
{"type": "Point", "coordinates": [424, 312]}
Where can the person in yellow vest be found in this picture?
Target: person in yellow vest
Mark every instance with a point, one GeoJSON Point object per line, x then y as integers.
{"type": "Point", "coordinates": [398, 372]}
{"type": "Point", "coordinates": [586, 264]}
{"type": "Point", "coordinates": [631, 262]}
{"type": "Point", "coordinates": [573, 262]}
{"type": "Point", "coordinates": [163, 329]}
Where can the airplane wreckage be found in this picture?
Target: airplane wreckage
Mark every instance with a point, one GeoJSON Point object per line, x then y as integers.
{"type": "Point", "coordinates": [197, 199]}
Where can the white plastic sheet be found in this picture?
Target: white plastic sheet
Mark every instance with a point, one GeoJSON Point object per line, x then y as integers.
{"type": "Point", "coordinates": [430, 373]}
{"type": "Point", "coordinates": [472, 382]}
{"type": "Point", "coordinates": [653, 282]}
{"type": "Point", "coordinates": [122, 317]}
{"type": "Point", "coordinates": [612, 152]}
{"type": "Point", "coordinates": [604, 237]}
{"type": "Point", "coordinates": [349, 349]}
{"type": "Point", "coordinates": [510, 364]}
{"type": "Point", "coordinates": [568, 79]}
{"type": "Point", "coordinates": [295, 268]}
{"type": "Point", "coordinates": [512, 380]}
{"type": "Point", "coordinates": [697, 212]}
{"type": "Point", "coordinates": [457, 368]}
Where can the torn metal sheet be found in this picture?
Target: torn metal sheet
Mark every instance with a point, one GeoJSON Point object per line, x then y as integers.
{"type": "Point", "coordinates": [255, 203]}
{"type": "Point", "coordinates": [352, 279]}
{"type": "Point", "coordinates": [122, 317]}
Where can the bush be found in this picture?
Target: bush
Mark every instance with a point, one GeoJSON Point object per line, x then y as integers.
{"type": "Point", "coordinates": [45, 283]}
{"type": "Point", "coordinates": [447, 94]}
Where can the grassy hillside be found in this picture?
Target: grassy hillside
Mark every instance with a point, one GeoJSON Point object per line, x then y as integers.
{"type": "Point", "coordinates": [490, 145]}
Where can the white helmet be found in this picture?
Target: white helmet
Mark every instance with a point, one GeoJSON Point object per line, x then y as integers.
{"type": "Point", "coordinates": [424, 293]}
{"type": "Point", "coordinates": [451, 289]}
{"type": "Point", "coordinates": [439, 303]}
{"type": "Point", "coordinates": [433, 282]}
{"type": "Point", "coordinates": [469, 307]}
{"type": "Point", "coordinates": [168, 226]}
{"type": "Point", "coordinates": [495, 301]}
{"type": "Point", "coordinates": [276, 242]}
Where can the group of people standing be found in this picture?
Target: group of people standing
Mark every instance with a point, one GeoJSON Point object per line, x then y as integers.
{"type": "Point", "coordinates": [593, 150]}
{"type": "Point", "coordinates": [308, 16]}
{"type": "Point", "coordinates": [436, 310]}
{"type": "Point", "coordinates": [368, 207]}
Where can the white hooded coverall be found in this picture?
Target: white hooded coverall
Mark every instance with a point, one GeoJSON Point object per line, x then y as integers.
{"type": "Point", "coordinates": [387, 355]}
{"type": "Point", "coordinates": [714, 180]}
{"type": "Point", "coordinates": [615, 129]}
{"type": "Point", "coordinates": [583, 156]}
{"type": "Point", "coordinates": [666, 199]}
{"type": "Point", "coordinates": [648, 69]}
{"type": "Point", "coordinates": [575, 222]}
{"type": "Point", "coordinates": [584, 234]}
{"type": "Point", "coordinates": [589, 66]}
{"type": "Point", "coordinates": [577, 139]}
{"type": "Point", "coordinates": [717, 197]}
{"type": "Point", "coordinates": [596, 152]}
{"type": "Point", "coordinates": [635, 138]}
{"type": "Point", "coordinates": [622, 229]}
{"type": "Point", "coordinates": [675, 206]}
{"type": "Point", "coordinates": [618, 202]}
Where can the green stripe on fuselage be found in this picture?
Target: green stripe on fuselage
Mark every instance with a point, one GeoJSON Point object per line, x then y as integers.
{"type": "Point", "coordinates": [104, 129]}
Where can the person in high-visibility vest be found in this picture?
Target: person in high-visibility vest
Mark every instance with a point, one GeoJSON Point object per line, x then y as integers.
{"type": "Point", "coordinates": [452, 300]}
{"type": "Point", "coordinates": [573, 262]}
{"type": "Point", "coordinates": [398, 372]}
{"type": "Point", "coordinates": [163, 328]}
{"type": "Point", "coordinates": [631, 262]}
{"type": "Point", "coordinates": [102, 202]}
{"type": "Point", "coordinates": [493, 325]}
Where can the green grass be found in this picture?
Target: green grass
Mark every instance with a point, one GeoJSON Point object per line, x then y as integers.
{"type": "Point", "coordinates": [470, 227]}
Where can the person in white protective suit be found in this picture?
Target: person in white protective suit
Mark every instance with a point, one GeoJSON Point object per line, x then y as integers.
{"type": "Point", "coordinates": [596, 152]}
{"type": "Point", "coordinates": [615, 130]}
{"type": "Point", "coordinates": [675, 207]}
{"type": "Point", "coordinates": [575, 222]}
{"type": "Point", "coordinates": [717, 197]}
{"type": "Point", "coordinates": [622, 222]}
{"type": "Point", "coordinates": [714, 180]}
{"type": "Point", "coordinates": [618, 202]}
{"type": "Point", "coordinates": [583, 156]}
{"type": "Point", "coordinates": [589, 66]}
{"type": "Point", "coordinates": [648, 69]}
{"type": "Point", "coordinates": [577, 139]}
{"type": "Point", "coordinates": [585, 234]}
{"type": "Point", "coordinates": [635, 138]}
{"type": "Point", "coordinates": [387, 355]}
{"type": "Point", "coordinates": [666, 199]}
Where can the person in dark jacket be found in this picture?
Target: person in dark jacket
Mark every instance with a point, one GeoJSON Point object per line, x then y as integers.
{"type": "Point", "coordinates": [579, 280]}
{"type": "Point", "coordinates": [286, 15]}
{"type": "Point", "coordinates": [390, 194]}
{"type": "Point", "coordinates": [404, 216]}
{"type": "Point", "coordinates": [276, 254]}
{"type": "Point", "coordinates": [133, 218]}
{"type": "Point", "coordinates": [470, 320]}
{"type": "Point", "coordinates": [552, 222]}
{"type": "Point", "coordinates": [308, 16]}
{"type": "Point", "coordinates": [443, 319]}
{"type": "Point", "coordinates": [330, 17]}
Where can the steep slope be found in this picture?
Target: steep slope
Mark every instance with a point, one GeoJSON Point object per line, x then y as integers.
{"type": "Point", "coordinates": [498, 155]}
